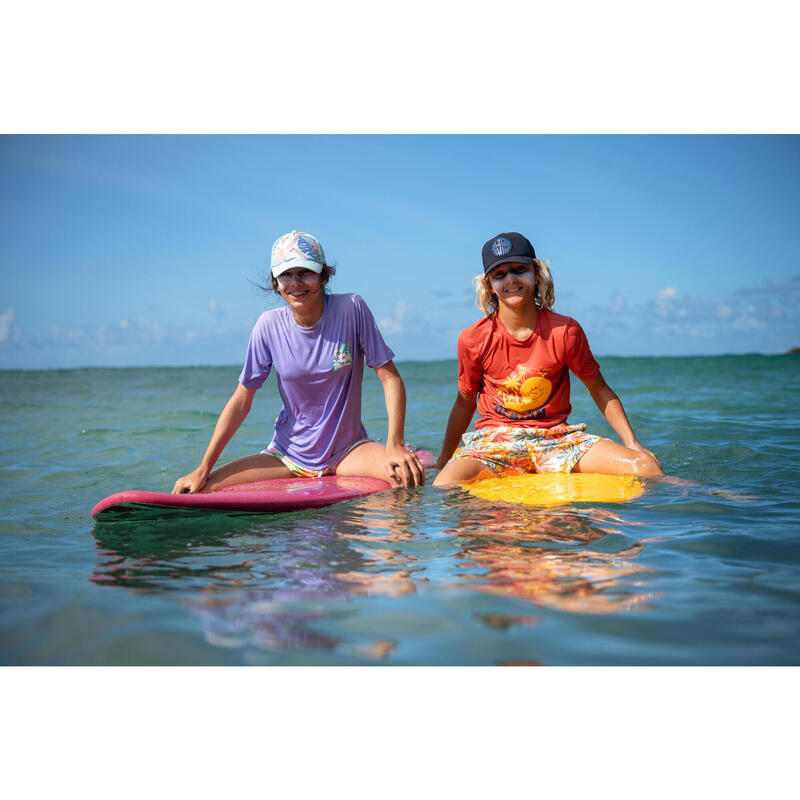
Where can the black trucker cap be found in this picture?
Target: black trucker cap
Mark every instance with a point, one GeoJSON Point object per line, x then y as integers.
{"type": "Point", "coordinates": [507, 247]}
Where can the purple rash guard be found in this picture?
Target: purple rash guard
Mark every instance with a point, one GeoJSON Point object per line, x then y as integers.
{"type": "Point", "coordinates": [319, 373]}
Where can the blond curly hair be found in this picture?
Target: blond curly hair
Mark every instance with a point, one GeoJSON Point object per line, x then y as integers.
{"type": "Point", "coordinates": [545, 296]}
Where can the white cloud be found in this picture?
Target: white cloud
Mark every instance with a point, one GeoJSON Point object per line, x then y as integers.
{"type": "Point", "coordinates": [9, 332]}
{"type": "Point", "coordinates": [746, 324]}
{"type": "Point", "coordinates": [69, 336]}
{"type": "Point", "coordinates": [697, 332]}
{"type": "Point", "coordinates": [129, 331]}
{"type": "Point", "coordinates": [664, 305]}
{"type": "Point", "coordinates": [394, 324]}
{"type": "Point", "coordinates": [760, 318]}
{"type": "Point", "coordinates": [131, 340]}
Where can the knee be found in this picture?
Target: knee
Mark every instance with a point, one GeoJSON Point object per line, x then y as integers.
{"type": "Point", "coordinates": [449, 476]}
{"type": "Point", "coordinates": [441, 482]}
{"type": "Point", "coordinates": [646, 466]}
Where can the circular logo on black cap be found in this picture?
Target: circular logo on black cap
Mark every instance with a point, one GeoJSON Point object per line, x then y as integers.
{"type": "Point", "coordinates": [501, 246]}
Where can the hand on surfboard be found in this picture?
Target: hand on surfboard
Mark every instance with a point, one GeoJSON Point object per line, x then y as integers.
{"type": "Point", "coordinates": [191, 483]}
{"type": "Point", "coordinates": [404, 467]}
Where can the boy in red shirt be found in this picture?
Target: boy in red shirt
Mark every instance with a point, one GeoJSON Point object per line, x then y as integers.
{"type": "Point", "coordinates": [513, 366]}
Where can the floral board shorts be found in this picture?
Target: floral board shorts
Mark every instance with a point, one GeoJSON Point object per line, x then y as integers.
{"type": "Point", "coordinates": [555, 449]}
{"type": "Point", "coordinates": [305, 472]}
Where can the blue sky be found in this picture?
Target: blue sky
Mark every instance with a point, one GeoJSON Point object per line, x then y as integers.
{"type": "Point", "coordinates": [139, 250]}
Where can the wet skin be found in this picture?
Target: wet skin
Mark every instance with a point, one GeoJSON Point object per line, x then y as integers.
{"type": "Point", "coordinates": [514, 285]}
{"type": "Point", "coordinates": [303, 291]}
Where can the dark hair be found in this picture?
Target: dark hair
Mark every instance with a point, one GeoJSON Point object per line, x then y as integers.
{"type": "Point", "coordinates": [327, 272]}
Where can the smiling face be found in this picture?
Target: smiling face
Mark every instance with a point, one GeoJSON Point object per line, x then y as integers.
{"type": "Point", "coordinates": [301, 289]}
{"type": "Point", "coordinates": [514, 284]}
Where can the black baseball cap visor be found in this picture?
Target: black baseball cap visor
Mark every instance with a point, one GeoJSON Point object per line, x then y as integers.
{"type": "Point", "coordinates": [507, 260]}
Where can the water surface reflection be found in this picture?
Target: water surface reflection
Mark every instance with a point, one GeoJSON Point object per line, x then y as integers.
{"type": "Point", "coordinates": [523, 552]}
{"type": "Point", "coordinates": [316, 582]}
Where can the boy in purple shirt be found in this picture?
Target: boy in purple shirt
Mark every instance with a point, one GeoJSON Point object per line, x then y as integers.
{"type": "Point", "coordinates": [317, 343]}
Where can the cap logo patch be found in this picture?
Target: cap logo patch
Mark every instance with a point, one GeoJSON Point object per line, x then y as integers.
{"type": "Point", "coordinates": [501, 246]}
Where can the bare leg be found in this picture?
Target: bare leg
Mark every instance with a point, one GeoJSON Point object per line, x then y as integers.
{"type": "Point", "coordinates": [371, 460]}
{"type": "Point", "coordinates": [461, 470]}
{"type": "Point", "coordinates": [612, 458]}
{"type": "Point", "coordinates": [366, 460]}
{"type": "Point", "coordinates": [258, 467]}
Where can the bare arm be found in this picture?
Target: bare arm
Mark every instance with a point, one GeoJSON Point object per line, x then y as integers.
{"type": "Point", "coordinates": [401, 464]}
{"type": "Point", "coordinates": [458, 422]}
{"type": "Point", "coordinates": [610, 405]}
{"type": "Point", "coordinates": [232, 416]}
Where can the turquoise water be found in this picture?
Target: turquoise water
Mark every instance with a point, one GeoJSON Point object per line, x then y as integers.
{"type": "Point", "coordinates": [699, 573]}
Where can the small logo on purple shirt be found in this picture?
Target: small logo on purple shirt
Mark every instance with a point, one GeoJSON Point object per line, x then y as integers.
{"type": "Point", "coordinates": [342, 357]}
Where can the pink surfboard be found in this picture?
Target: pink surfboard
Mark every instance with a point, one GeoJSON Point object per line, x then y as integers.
{"type": "Point", "coordinates": [274, 496]}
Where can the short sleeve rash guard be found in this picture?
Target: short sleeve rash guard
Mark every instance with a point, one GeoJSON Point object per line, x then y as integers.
{"type": "Point", "coordinates": [319, 371]}
{"type": "Point", "coordinates": [523, 384]}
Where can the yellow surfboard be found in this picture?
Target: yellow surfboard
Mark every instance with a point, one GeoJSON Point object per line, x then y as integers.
{"type": "Point", "coordinates": [552, 488]}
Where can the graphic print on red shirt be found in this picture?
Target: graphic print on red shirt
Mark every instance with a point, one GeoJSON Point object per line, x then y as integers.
{"type": "Point", "coordinates": [523, 384]}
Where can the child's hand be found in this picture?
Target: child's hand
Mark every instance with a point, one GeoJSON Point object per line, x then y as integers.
{"type": "Point", "coordinates": [403, 467]}
{"type": "Point", "coordinates": [191, 483]}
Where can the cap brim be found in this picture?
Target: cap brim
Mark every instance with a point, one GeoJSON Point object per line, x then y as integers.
{"type": "Point", "coordinates": [508, 260]}
{"type": "Point", "coordinates": [279, 269]}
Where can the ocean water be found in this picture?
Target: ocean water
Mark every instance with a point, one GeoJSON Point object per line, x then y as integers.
{"type": "Point", "coordinates": [701, 571]}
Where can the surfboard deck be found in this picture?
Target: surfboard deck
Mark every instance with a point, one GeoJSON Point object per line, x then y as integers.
{"type": "Point", "coordinates": [276, 496]}
{"type": "Point", "coordinates": [550, 489]}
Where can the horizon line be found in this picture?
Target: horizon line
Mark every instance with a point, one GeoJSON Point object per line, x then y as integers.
{"type": "Point", "coordinates": [792, 351]}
